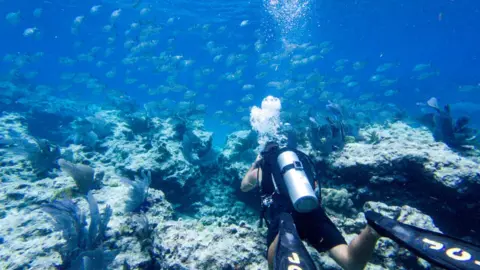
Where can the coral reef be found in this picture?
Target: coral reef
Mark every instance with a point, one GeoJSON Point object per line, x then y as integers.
{"type": "Point", "coordinates": [238, 154]}
{"type": "Point", "coordinates": [186, 212]}
{"type": "Point", "coordinates": [190, 244]}
{"type": "Point", "coordinates": [409, 165]}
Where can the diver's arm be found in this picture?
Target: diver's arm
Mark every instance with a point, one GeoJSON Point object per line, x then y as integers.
{"type": "Point", "coordinates": [357, 254]}
{"type": "Point", "coordinates": [249, 181]}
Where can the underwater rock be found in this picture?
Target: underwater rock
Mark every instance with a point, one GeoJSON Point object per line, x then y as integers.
{"type": "Point", "coordinates": [238, 154]}
{"type": "Point", "coordinates": [405, 214]}
{"type": "Point", "coordinates": [188, 244]}
{"type": "Point", "coordinates": [408, 166]}
{"type": "Point", "coordinates": [221, 200]}
{"type": "Point", "coordinates": [32, 242]}
{"type": "Point", "coordinates": [197, 147]}
{"type": "Point", "coordinates": [28, 241]}
{"type": "Point", "coordinates": [14, 163]}
{"type": "Point", "coordinates": [42, 155]}
{"type": "Point", "coordinates": [159, 152]}
{"type": "Point", "coordinates": [387, 252]}
{"type": "Point", "coordinates": [403, 150]}
{"type": "Point", "coordinates": [138, 122]}
{"type": "Point", "coordinates": [337, 201]}
{"type": "Point", "coordinates": [23, 156]}
{"type": "Point", "coordinates": [223, 236]}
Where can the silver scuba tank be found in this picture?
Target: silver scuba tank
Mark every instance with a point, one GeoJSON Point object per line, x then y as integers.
{"type": "Point", "coordinates": [299, 188]}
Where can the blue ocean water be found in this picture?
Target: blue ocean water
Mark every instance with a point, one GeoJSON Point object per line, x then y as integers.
{"type": "Point", "coordinates": [62, 61]}
{"type": "Point", "coordinates": [440, 34]}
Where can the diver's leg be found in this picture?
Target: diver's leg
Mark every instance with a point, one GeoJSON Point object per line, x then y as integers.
{"type": "Point", "coordinates": [271, 252]}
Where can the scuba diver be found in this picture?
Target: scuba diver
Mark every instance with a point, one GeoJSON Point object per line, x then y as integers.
{"type": "Point", "coordinates": [291, 199]}
{"type": "Point", "coordinates": [291, 208]}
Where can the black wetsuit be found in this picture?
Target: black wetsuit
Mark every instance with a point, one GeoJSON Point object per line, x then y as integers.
{"type": "Point", "coordinates": [314, 227]}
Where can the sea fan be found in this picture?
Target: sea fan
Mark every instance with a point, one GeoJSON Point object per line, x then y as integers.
{"type": "Point", "coordinates": [82, 174]}
{"type": "Point", "coordinates": [138, 191]}
{"type": "Point", "coordinates": [83, 248]}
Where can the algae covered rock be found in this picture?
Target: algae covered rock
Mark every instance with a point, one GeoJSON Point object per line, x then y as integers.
{"type": "Point", "coordinates": [402, 149]}
{"type": "Point", "coordinates": [405, 214]}
{"type": "Point", "coordinates": [238, 154]}
{"type": "Point", "coordinates": [188, 244]}
{"type": "Point", "coordinates": [407, 166]}
{"type": "Point", "coordinates": [337, 201]}
{"type": "Point", "coordinates": [160, 153]}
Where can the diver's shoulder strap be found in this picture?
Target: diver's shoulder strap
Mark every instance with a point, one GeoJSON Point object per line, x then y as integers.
{"type": "Point", "coordinates": [442, 250]}
{"type": "Point", "coordinates": [290, 254]}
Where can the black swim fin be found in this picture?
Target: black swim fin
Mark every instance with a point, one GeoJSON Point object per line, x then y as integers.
{"type": "Point", "coordinates": [291, 254]}
{"type": "Point", "coordinates": [439, 249]}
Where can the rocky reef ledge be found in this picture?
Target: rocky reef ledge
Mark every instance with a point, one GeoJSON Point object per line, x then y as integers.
{"type": "Point", "coordinates": [405, 165]}
{"type": "Point", "coordinates": [181, 207]}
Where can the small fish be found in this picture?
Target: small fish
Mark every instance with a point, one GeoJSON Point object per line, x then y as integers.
{"type": "Point", "coordinates": [78, 20]}
{"type": "Point", "coordinates": [426, 75]}
{"type": "Point", "coordinates": [95, 9]}
{"type": "Point", "coordinates": [376, 78]}
{"type": "Point", "coordinates": [358, 65]}
{"type": "Point", "coordinates": [248, 86]}
{"type": "Point", "coordinates": [311, 119]}
{"type": "Point", "coordinates": [116, 14]}
{"type": "Point", "coordinates": [352, 84]}
{"type": "Point", "coordinates": [144, 11]}
{"type": "Point", "coordinates": [421, 67]}
{"type": "Point", "coordinates": [385, 67]}
{"type": "Point", "coordinates": [13, 17]}
{"type": "Point", "coordinates": [189, 94]}
{"type": "Point", "coordinates": [341, 62]}
{"type": "Point", "coordinates": [347, 79]}
{"type": "Point", "coordinates": [29, 31]}
{"type": "Point", "coordinates": [246, 99]}
{"type": "Point", "coordinates": [111, 73]}
{"type": "Point", "coordinates": [468, 88]}
{"type": "Point", "coordinates": [201, 107]}
{"type": "Point", "coordinates": [244, 23]}
{"type": "Point", "coordinates": [37, 12]}
{"type": "Point", "coordinates": [390, 92]}
{"type": "Point", "coordinates": [107, 28]}
{"type": "Point", "coordinates": [388, 82]}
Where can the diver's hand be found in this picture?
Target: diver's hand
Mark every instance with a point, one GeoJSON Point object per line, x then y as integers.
{"type": "Point", "coordinates": [257, 161]}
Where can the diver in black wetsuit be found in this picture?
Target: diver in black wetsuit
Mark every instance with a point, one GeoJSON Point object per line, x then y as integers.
{"type": "Point", "coordinates": [293, 213]}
